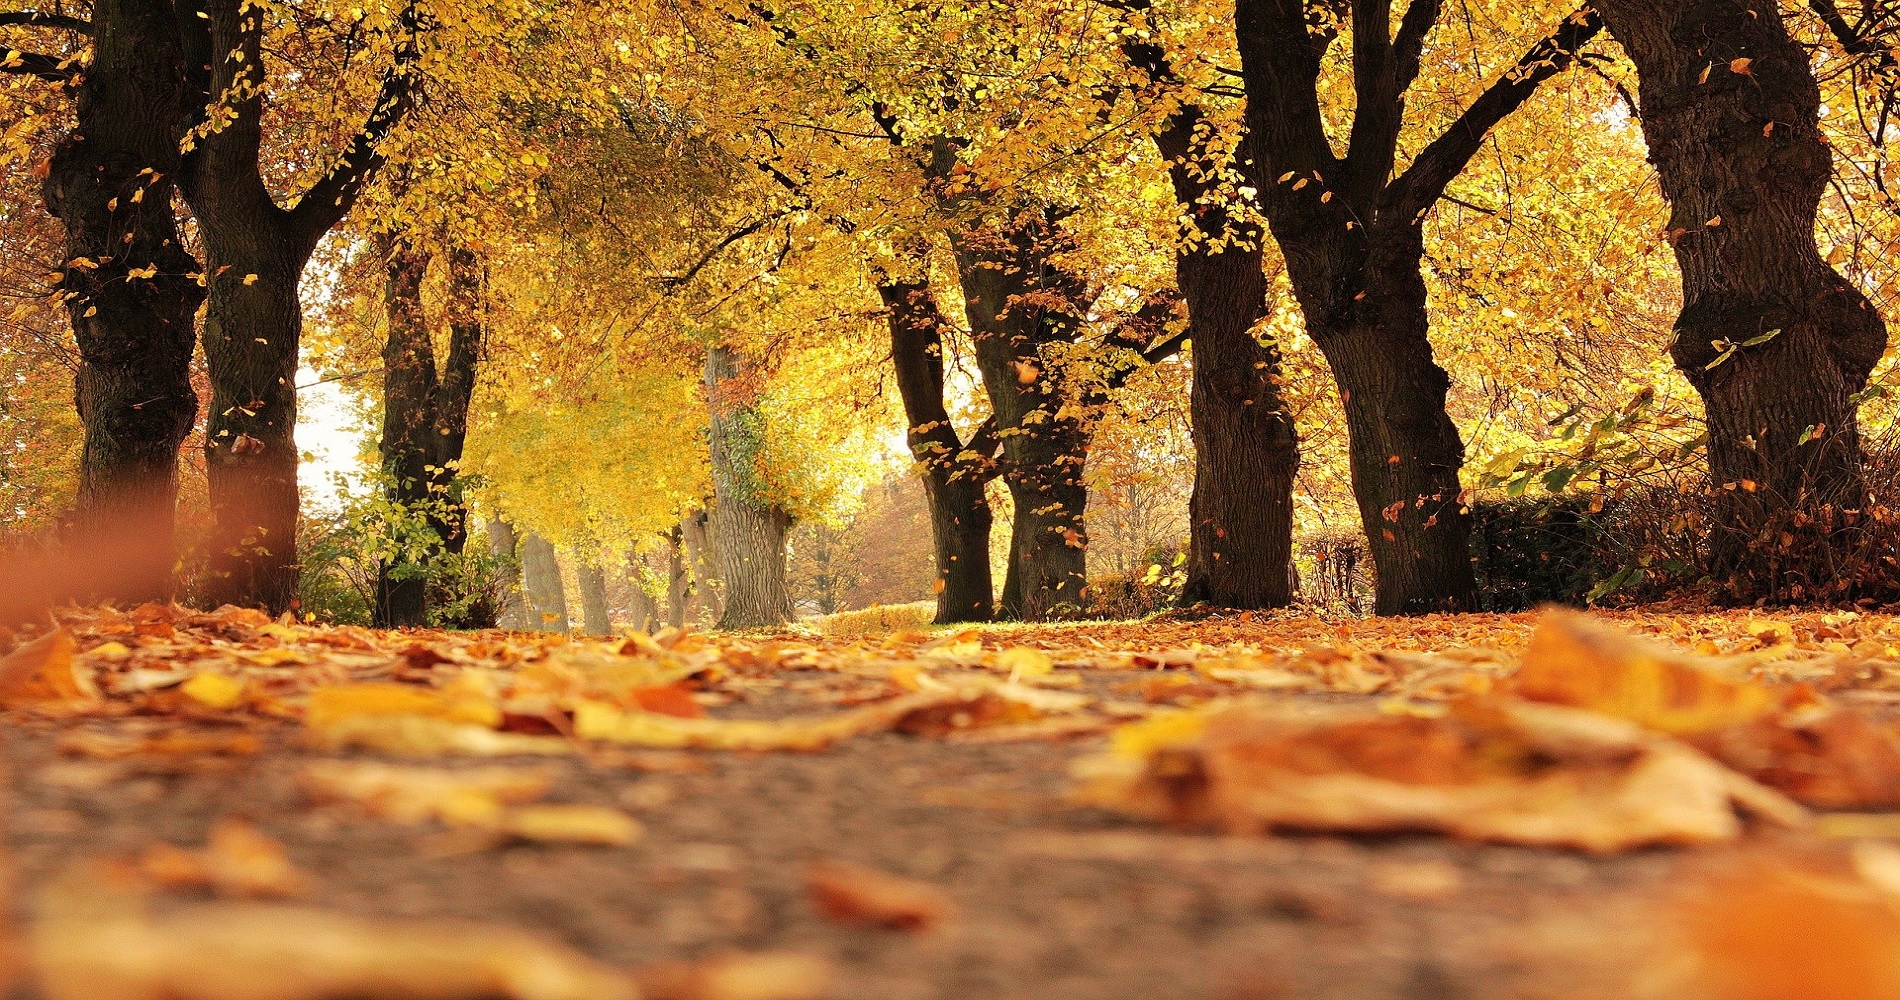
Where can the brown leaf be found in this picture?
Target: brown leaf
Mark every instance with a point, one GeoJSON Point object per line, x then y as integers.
{"type": "Point", "coordinates": [755, 976]}
{"type": "Point", "coordinates": [1495, 771]}
{"type": "Point", "coordinates": [95, 941]}
{"type": "Point", "coordinates": [44, 671]}
{"type": "Point", "coordinates": [854, 894]}
{"type": "Point", "coordinates": [1576, 661]}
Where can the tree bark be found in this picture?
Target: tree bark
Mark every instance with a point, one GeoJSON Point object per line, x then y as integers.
{"type": "Point", "coordinates": [748, 529]}
{"type": "Point", "coordinates": [1017, 301]}
{"type": "Point", "coordinates": [129, 287]}
{"type": "Point", "coordinates": [1246, 449]}
{"type": "Point", "coordinates": [679, 579]}
{"type": "Point", "coordinates": [425, 419]}
{"type": "Point", "coordinates": [953, 471]}
{"type": "Point", "coordinates": [502, 542]}
{"type": "Point", "coordinates": [1351, 233]}
{"type": "Point", "coordinates": [255, 253]}
{"type": "Point", "coordinates": [595, 619]}
{"type": "Point", "coordinates": [643, 611]}
{"type": "Point", "coordinates": [707, 591]}
{"type": "Point", "coordinates": [546, 593]}
{"type": "Point", "coordinates": [1731, 109]}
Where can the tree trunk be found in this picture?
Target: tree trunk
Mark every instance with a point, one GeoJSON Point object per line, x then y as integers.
{"type": "Point", "coordinates": [1246, 449]}
{"type": "Point", "coordinates": [425, 420]}
{"type": "Point", "coordinates": [546, 593]}
{"type": "Point", "coordinates": [642, 610]}
{"type": "Point", "coordinates": [1017, 301]}
{"type": "Point", "coordinates": [953, 472]}
{"type": "Point", "coordinates": [1352, 235]}
{"type": "Point", "coordinates": [595, 619]}
{"type": "Point", "coordinates": [255, 253]}
{"type": "Point", "coordinates": [679, 580]}
{"type": "Point", "coordinates": [747, 528]}
{"type": "Point", "coordinates": [702, 559]}
{"type": "Point", "coordinates": [1730, 109]}
{"type": "Point", "coordinates": [130, 289]}
{"type": "Point", "coordinates": [1404, 450]}
{"type": "Point", "coordinates": [501, 541]}
{"type": "Point", "coordinates": [408, 401]}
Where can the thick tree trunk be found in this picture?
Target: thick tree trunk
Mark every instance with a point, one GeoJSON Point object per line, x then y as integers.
{"type": "Point", "coordinates": [595, 619]}
{"type": "Point", "coordinates": [255, 253]}
{"type": "Point", "coordinates": [1404, 450]}
{"type": "Point", "coordinates": [546, 593]}
{"type": "Point", "coordinates": [1017, 301]}
{"type": "Point", "coordinates": [1730, 109]}
{"type": "Point", "coordinates": [953, 471]}
{"type": "Point", "coordinates": [1352, 236]}
{"type": "Point", "coordinates": [747, 528]}
{"type": "Point", "coordinates": [130, 288]}
{"type": "Point", "coordinates": [1246, 449]}
{"type": "Point", "coordinates": [502, 542]}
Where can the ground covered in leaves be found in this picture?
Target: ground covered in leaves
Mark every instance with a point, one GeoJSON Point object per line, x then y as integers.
{"type": "Point", "coordinates": [217, 806]}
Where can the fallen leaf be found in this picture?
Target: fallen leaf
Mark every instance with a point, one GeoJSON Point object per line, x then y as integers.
{"type": "Point", "coordinates": [754, 976]}
{"type": "Point", "coordinates": [214, 690]}
{"type": "Point", "coordinates": [44, 671]}
{"type": "Point", "coordinates": [1500, 771]}
{"type": "Point", "coordinates": [95, 940]}
{"type": "Point", "coordinates": [578, 824]}
{"type": "Point", "coordinates": [474, 796]}
{"type": "Point", "coordinates": [1576, 661]}
{"type": "Point", "coordinates": [854, 894]}
{"type": "Point", "coordinates": [106, 745]}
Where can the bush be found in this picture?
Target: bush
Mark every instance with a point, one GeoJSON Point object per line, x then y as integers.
{"type": "Point", "coordinates": [342, 552]}
{"type": "Point", "coordinates": [877, 619]}
{"type": "Point", "coordinates": [1548, 550]}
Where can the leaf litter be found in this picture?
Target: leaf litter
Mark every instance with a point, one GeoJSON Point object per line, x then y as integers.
{"type": "Point", "coordinates": [1593, 733]}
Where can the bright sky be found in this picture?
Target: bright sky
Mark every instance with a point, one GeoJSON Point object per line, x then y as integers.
{"type": "Point", "coordinates": [326, 435]}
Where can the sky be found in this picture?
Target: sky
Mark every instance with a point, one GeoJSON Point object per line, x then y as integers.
{"type": "Point", "coordinates": [327, 435]}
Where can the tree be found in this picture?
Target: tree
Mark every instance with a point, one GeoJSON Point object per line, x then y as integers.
{"type": "Point", "coordinates": [1774, 340]}
{"type": "Point", "coordinates": [1353, 238]}
{"type": "Point", "coordinates": [748, 525]}
{"type": "Point", "coordinates": [1245, 445]}
{"type": "Point", "coordinates": [256, 249]}
{"type": "Point", "coordinates": [425, 416]}
{"type": "Point", "coordinates": [128, 284]}
{"type": "Point", "coordinates": [954, 471]}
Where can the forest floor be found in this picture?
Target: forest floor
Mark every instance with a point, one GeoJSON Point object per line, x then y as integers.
{"type": "Point", "coordinates": [221, 807]}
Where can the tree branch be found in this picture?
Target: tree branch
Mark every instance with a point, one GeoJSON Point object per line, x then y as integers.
{"type": "Point", "coordinates": [33, 64]}
{"type": "Point", "coordinates": [41, 19]}
{"type": "Point", "coordinates": [1424, 182]}
{"type": "Point", "coordinates": [676, 280]}
{"type": "Point", "coordinates": [331, 197]}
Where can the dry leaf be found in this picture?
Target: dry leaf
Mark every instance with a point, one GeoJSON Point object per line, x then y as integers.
{"type": "Point", "coordinates": [754, 976]}
{"type": "Point", "coordinates": [1495, 771]}
{"type": "Point", "coordinates": [427, 736]}
{"type": "Point", "coordinates": [464, 797]}
{"type": "Point", "coordinates": [44, 671]}
{"type": "Point", "coordinates": [1573, 660]}
{"type": "Point", "coordinates": [921, 712]}
{"type": "Point", "coordinates": [107, 745]}
{"type": "Point", "coordinates": [95, 941]}
{"type": "Point", "coordinates": [854, 894]}
{"type": "Point", "coordinates": [238, 861]}
{"type": "Point", "coordinates": [576, 824]}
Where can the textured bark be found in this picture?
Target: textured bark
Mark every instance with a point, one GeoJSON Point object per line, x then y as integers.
{"type": "Point", "coordinates": [702, 560]}
{"type": "Point", "coordinates": [425, 417]}
{"type": "Point", "coordinates": [110, 183]}
{"type": "Point", "coordinates": [643, 612]}
{"type": "Point", "coordinates": [1015, 300]}
{"type": "Point", "coordinates": [1246, 449]}
{"type": "Point", "coordinates": [595, 619]}
{"type": "Point", "coordinates": [1742, 161]}
{"type": "Point", "coordinates": [748, 529]}
{"type": "Point", "coordinates": [953, 471]}
{"type": "Point", "coordinates": [502, 542]}
{"type": "Point", "coordinates": [1351, 233]}
{"type": "Point", "coordinates": [255, 253]}
{"type": "Point", "coordinates": [546, 593]}
{"type": "Point", "coordinates": [679, 579]}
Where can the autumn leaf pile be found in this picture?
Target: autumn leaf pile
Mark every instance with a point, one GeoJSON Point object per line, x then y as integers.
{"type": "Point", "coordinates": [1556, 730]}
